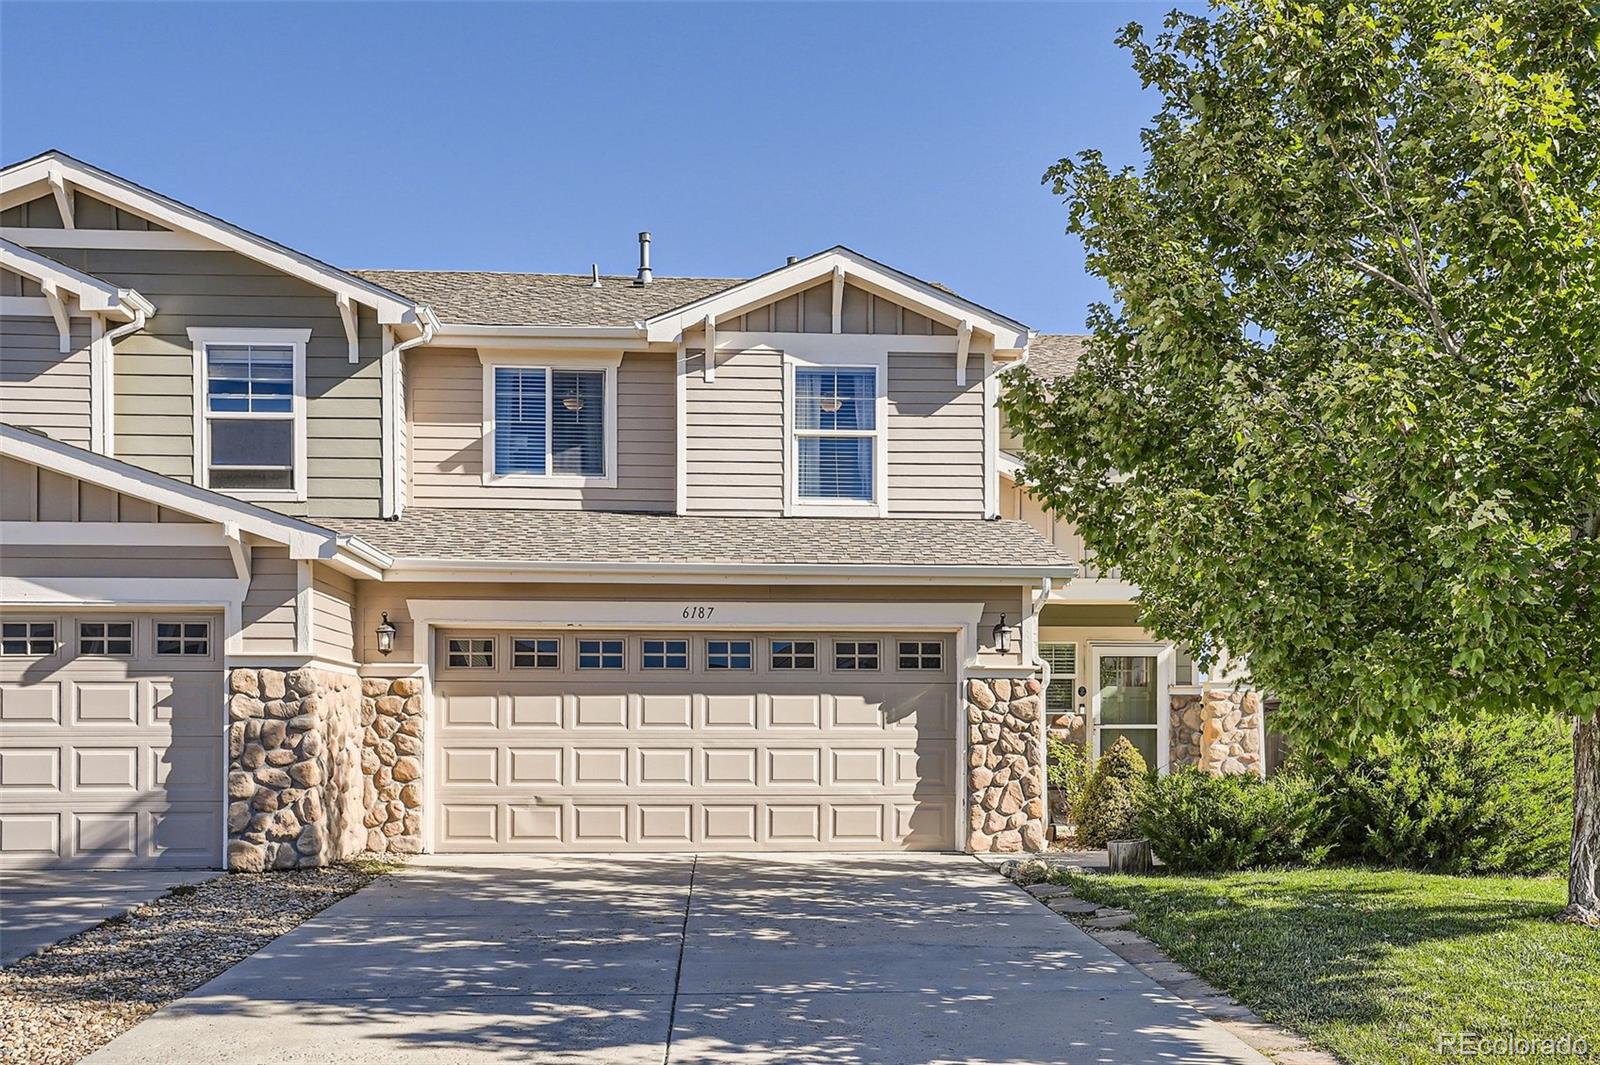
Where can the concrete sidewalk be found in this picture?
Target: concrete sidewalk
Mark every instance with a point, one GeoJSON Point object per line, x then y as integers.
{"type": "Point", "coordinates": [843, 959]}
{"type": "Point", "coordinates": [37, 909]}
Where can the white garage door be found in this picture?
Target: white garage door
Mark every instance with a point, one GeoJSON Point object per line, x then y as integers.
{"type": "Point", "coordinates": [110, 741]}
{"type": "Point", "coordinates": [740, 741]}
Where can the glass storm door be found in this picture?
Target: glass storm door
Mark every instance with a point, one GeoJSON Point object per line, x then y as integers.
{"type": "Point", "coordinates": [1126, 704]}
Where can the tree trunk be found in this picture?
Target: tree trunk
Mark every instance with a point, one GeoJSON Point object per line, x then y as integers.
{"type": "Point", "coordinates": [1583, 905]}
{"type": "Point", "coordinates": [1131, 856]}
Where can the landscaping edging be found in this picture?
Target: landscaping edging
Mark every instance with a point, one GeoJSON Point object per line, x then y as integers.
{"type": "Point", "coordinates": [67, 1000]}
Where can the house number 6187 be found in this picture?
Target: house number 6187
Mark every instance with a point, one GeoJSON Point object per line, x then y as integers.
{"type": "Point", "coordinates": [698, 613]}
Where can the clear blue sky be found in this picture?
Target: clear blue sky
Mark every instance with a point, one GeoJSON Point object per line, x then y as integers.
{"type": "Point", "coordinates": [543, 137]}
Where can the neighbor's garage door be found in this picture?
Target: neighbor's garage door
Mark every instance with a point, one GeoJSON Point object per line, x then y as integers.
{"type": "Point", "coordinates": [110, 741]}
{"type": "Point", "coordinates": [742, 741]}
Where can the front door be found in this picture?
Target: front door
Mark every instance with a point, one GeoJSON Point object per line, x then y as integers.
{"type": "Point", "coordinates": [1128, 702]}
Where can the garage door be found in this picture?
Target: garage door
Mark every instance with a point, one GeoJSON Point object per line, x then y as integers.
{"type": "Point", "coordinates": [739, 741]}
{"type": "Point", "coordinates": [110, 741]}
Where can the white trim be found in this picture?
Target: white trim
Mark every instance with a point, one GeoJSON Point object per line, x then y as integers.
{"type": "Point", "coordinates": [1094, 590]}
{"type": "Point", "coordinates": [991, 437]}
{"type": "Point", "coordinates": [351, 322]}
{"type": "Point", "coordinates": [239, 551]}
{"type": "Point", "coordinates": [297, 660]}
{"type": "Point", "coordinates": [109, 239]}
{"type": "Point", "coordinates": [840, 347]}
{"type": "Point", "coordinates": [709, 364]}
{"type": "Point", "coordinates": [303, 607]}
{"type": "Point", "coordinates": [388, 427]}
{"type": "Point", "coordinates": [99, 353]}
{"type": "Point", "coordinates": [963, 349]}
{"type": "Point", "coordinates": [14, 180]}
{"type": "Point", "coordinates": [838, 359]}
{"type": "Point", "coordinates": [58, 311]}
{"type": "Point", "coordinates": [94, 294]}
{"type": "Point", "coordinates": [63, 196]}
{"type": "Point", "coordinates": [838, 299]}
{"type": "Point", "coordinates": [521, 335]}
{"type": "Point", "coordinates": [865, 273]}
{"type": "Point", "coordinates": [113, 533]}
{"type": "Point", "coordinates": [608, 365]}
{"type": "Point", "coordinates": [680, 451]}
{"type": "Point", "coordinates": [1166, 656]}
{"type": "Point", "coordinates": [35, 307]}
{"type": "Point", "coordinates": [296, 340]}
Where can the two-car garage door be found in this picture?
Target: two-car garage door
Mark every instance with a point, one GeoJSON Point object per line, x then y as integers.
{"type": "Point", "coordinates": [605, 741]}
{"type": "Point", "coordinates": [110, 741]}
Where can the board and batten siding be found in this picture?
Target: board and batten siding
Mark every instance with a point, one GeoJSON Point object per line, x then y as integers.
{"type": "Point", "coordinates": [446, 439]}
{"type": "Point", "coordinates": [41, 388]}
{"type": "Point", "coordinates": [935, 439]}
{"type": "Point", "coordinates": [153, 368]}
{"type": "Point", "coordinates": [733, 434]}
{"type": "Point", "coordinates": [32, 493]}
{"type": "Point", "coordinates": [811, 311]}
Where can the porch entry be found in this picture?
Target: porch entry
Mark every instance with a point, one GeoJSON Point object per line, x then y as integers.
{"type": "Point", "coordinates": [1130, 700]}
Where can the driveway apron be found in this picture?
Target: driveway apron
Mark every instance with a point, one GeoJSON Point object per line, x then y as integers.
{"type": "Point", "coordinates": [721, 958]}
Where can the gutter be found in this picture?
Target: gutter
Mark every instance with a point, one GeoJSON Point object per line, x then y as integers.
{"type": "Point", "coordinates": [418, 568]}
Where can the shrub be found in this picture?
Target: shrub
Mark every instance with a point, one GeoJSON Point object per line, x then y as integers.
{"type": "Point", "coordinates": [1067, 769]}
{"type": "Point", "coordinates": [1197, 822]}
{"type": "Point", "coordinates": [1112, 797]}
{"type": "Point", "coordinates": [1490, 796]}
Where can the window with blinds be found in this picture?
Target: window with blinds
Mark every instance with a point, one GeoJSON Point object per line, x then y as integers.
{"type": "Point", "coordinates": [250, 416]}
{"type": "Point", "coordinates": [835, 427]}
{"type": "Point", "coordinates": [1063, 661]}
{"type": "Point", "coordinates": [549, 421]}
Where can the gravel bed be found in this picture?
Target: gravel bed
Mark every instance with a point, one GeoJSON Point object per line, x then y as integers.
{"type": "Point", "coordinates": [72, 998]}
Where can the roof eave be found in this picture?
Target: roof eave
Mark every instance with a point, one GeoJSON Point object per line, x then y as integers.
{"type": "Point", "coordinates": [426, 568]}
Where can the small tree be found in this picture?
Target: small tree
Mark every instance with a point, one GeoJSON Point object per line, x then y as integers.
{"type": "Point", "coordinates": [1110, 804]}
{"type": "Point", "coordinates": [1343, 415]}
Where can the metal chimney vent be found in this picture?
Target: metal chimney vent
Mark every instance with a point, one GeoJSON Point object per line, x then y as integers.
{"type": "Point", "coordinates": [644, 277]}
{"type": "Point", "coordinates": [594, 275]}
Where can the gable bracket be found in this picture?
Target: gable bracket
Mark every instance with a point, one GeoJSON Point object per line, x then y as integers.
{"type": "Point", "coordinates": [347, 313]}
{"type": "Point", "coordinates": [963, 343]}
{"type": "Point", "coordinates": [711, 347]}
{"type": "Point", "coordinates": [58, 311]}
{"type": "Point", "coordinates": [838, 298]}
{"type": "Point", "coordinates": [58, 187]}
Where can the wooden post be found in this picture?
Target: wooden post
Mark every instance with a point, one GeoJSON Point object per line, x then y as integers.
{"type": "Point", "coordinates": [1131, 856]}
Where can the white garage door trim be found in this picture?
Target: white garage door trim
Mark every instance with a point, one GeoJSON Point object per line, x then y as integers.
{"type": "Point", "coordinates": [427, 615]}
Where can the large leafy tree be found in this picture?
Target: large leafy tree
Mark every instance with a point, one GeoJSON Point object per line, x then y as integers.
{"type": "Point", "coordinates": [1342, 414]}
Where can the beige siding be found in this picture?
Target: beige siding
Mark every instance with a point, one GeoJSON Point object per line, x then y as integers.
{"type": "Point", "coordinates": [935, 438]}
{"type": "Point", "coordinates": [733, 434]}
{"type": "Point", "coordinates": [1018, 504]}
{"type": "Point", "coordinates": [28, 493]}
{"type": "Point", "coordinates": [447, 439]}
{"type": "Point", "coordinates": [154, 368]}
{"type": "Point", "coordinates": [402, 455]}
{"type": "Point", "coordinates": [333, 605]}
{"type": "Point", "coordinates": [375, 597]}
{"type": "Point", "coordinates": [40, 388]}
{"type": "Point", "coordinates": [811, 311]}
{"type": "Point", "coordinates": [268, 618]}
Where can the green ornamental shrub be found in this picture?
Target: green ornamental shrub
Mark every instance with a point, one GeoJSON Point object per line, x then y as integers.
{"type": "Point", "coordinates": [1112, 797]}
{"type": "Point", "coordinates": [1490, 796]}
{"type": "Point", "coordinates": [1067, 770]}
{"type": "Point", "coordinates": [1200, 823]}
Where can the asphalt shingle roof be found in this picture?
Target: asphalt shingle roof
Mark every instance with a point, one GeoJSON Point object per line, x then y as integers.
{"type": "Point", "coordinates": [1052, 355]}
{"type": "Point", "coordinates": [580, 537]}
{"type": "Point", "coordinates": [480, 297]}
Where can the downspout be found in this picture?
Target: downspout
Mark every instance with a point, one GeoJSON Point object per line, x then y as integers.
{"type": "Point", "coordinates": [430, 327]}
{"type": "Point", "coordinates": [1043, 667]}
{"type": "Point", "coordinates": [141, 315]}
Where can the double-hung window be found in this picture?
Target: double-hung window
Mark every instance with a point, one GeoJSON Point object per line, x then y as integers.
{"type": "Point", "coordinates": [836, 434]}
{"type": "Point", "coordinates": [549, 422]}
{"type": "Point", "coordinates": [250, 410]}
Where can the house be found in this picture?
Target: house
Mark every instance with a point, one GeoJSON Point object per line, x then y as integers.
{"type": "Point", "coordinates": [298, 560]}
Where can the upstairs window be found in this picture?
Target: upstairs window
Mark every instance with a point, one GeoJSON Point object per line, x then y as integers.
{"type": "Point", "coordinates": [549, 422]}
{"type": "Point", "coordinates": [250, 411]}
{"type": "Point", "coordinates": [835, 428]}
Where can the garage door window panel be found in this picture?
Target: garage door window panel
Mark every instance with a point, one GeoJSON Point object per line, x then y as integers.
{"type": "Point", "coordinates": [109, 639]}
{"type": "Point", "coordinates": [535, 653]}
{"type": "Point", "coordinates": [470, 653]}
{"type": "Point", "coordinates": [854, 656]}
{"type": "Point", "coordinates": [793, 654]}
{"type": "Point", "coordinates": [729, 654]}
{"type": "Point", "coordinates": [601, 654]}
{"type": "Point", "coordinates": [186, 639]}
{"type": "Point", "coordinates": [27, 639]}
{"type": "Point", "coordinates": [921, 655]}
{"type": "Point", "coordinates": [664, 654]}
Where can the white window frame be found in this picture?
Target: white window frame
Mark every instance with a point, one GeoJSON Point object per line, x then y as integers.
{"type": "Point", "coordinates": [796, 504]}
{"type": "Point", "coordinates": [549, 361]}
{"type": "Point", "coordinates": [296, 339]}
{"type": "Point", "coordinates": [1166, 656]}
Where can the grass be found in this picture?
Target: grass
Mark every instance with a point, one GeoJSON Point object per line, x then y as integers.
{"type": "Point", "coordinates": [1374, 965]}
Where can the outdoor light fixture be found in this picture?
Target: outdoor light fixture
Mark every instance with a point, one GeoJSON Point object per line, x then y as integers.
{"type": "Point", "coordinates": [385, 635]}
{"type": "Point", "coordinates": [831, 404]}
{"type": "Point", "coordinates": [572, 403]}
{"type": "Point", "coordinates": [1002, 637]}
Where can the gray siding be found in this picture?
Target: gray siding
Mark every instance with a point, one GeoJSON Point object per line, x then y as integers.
{"type": "Point", "coordinates": [935, 438]}
{"type": "Point", "coordinates": [447, 439]}
{"type": "Point", "coordinates": [87, 213]}
{"type": "Point", "coordinates": [267, 619]}
{"type": "Point", "coordinates": [34, 494]}
{"type": "Point", "coordinates": [154, 379]}
{"type": "Point", "coordinates": [733, 434]}
{"type": "Point", "coordinates": [40, 388]}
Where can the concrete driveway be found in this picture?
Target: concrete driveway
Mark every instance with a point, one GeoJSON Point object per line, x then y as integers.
{"type": "Point", "coordinates": [37, 909]}
{"type": "Point", "coordinates": [675, 959]}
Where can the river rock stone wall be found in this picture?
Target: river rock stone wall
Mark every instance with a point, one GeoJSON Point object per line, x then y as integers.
{"type": "Point", "coordinates": [391, 762]}
{"type": "Point", "coordinates": [1005, 769]}
{"type": "Point", "coordinates": [1184, 743]}
{"type": "Point", "coordinates": [294, 768]}
{"type": "Point", "coordinates": [1230, 732]}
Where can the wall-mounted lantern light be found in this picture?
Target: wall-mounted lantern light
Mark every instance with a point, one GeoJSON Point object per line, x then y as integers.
{"type": "Point", "coordinates": [385, 635]}
{"type": "Point", "coordinates": [1002, 636]}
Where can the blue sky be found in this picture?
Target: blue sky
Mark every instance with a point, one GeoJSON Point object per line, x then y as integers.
{"type": "Point", "coordinates": [543, 137]}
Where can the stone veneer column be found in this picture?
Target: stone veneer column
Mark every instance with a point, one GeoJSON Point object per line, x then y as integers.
{"type": "Point", "coordinates": [1183, 750]}
{"type": "Point", "coordinates": [294, 768]}
{"type": "Point", "coordinates": [1005, 768]}
{"type": "Point", "coordinates": [391, 762]}
{"type": "Point", "coordinates": [1230, 725]}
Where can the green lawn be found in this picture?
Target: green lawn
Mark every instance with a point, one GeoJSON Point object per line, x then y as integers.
{"type": "Point", "coordinates": [1373, 965]}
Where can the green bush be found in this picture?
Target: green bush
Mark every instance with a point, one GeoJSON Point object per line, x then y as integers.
{"type": "Point", "coordinates": [1067, 770]}
{"type": "Point", "coordinates": [1491, 796]}
{"type": "Point", "coordinates": [1112, 797]}
{"type": "Point", "coordinates": [1197, 822]}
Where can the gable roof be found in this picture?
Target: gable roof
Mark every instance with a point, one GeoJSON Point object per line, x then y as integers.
{"type": "Point", "coordinates": [15, 179]}
{"type": "Point", "coordinates": [1052, 355]}
{"type": "Point", "coordinates": [94, 293]}
{"type": "Point", "coordinates": [482, 297]}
